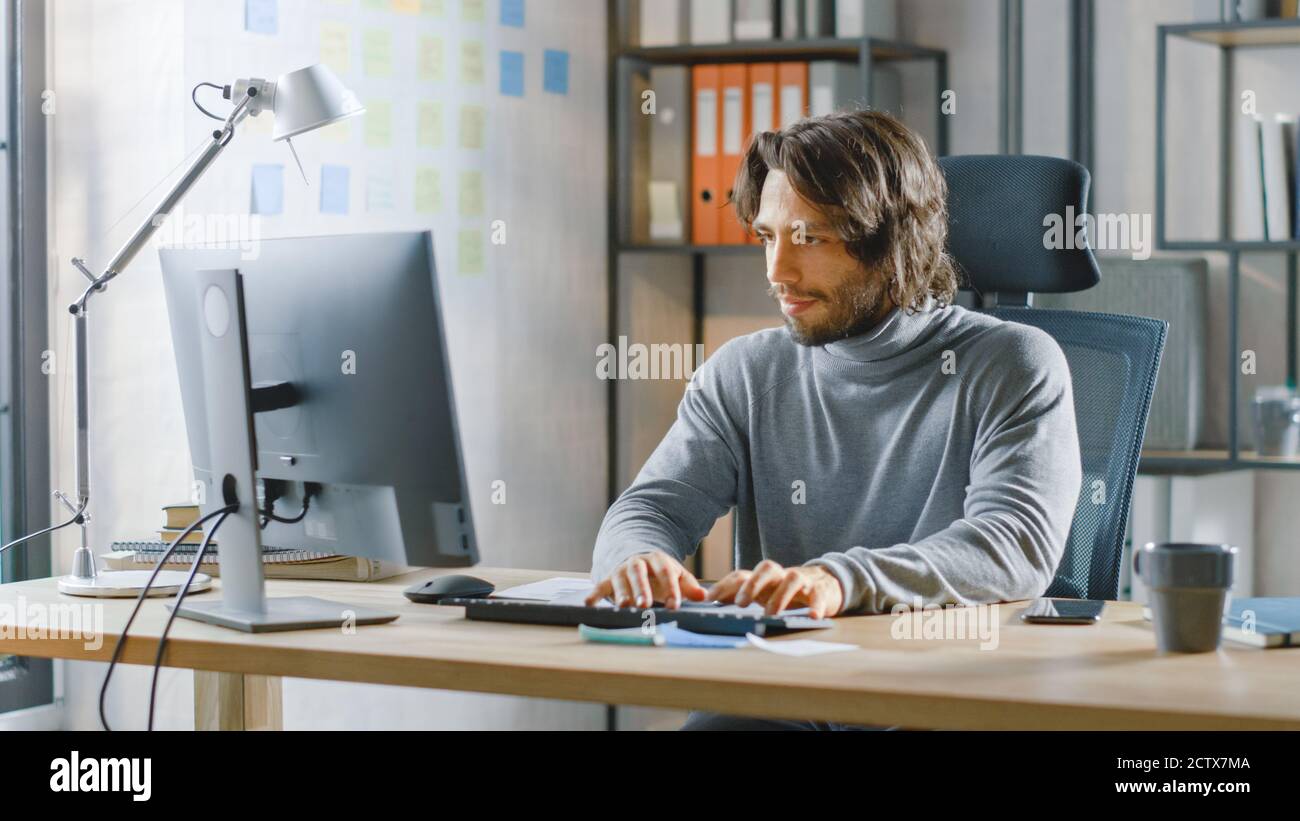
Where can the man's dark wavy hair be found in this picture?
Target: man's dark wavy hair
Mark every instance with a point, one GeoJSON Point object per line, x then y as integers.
{"type": "Point", "coordinates": [877, 184]}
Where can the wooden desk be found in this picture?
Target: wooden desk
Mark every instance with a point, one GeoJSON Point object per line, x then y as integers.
{"type": "Point", "coordinates": [1106, 676]}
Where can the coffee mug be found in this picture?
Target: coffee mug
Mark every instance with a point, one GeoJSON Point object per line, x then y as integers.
{"type": "Point", "coordinates": [1188, 586]}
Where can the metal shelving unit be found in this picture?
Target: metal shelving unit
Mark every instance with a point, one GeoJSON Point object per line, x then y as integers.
{"type": "Point", "coordinates": [627, 60]}
{"type": "Point", "coordinates": [1226, 37]}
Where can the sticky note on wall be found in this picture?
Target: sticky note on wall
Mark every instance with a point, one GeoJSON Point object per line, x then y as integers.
{"type": "Point", "coordinates": [430, 59]}
{"type": "Point", "coordinates": [555, 71]}
{"type": "Point", "coordinates": [512, 13]}
{"type": "Point", "coordinates": [379, 123]}
{"type": "Point", "coordinates": [471, 193]}
{"type": "Point", "coordinates": [428, 124]}
{"type": "Point", "coordinates": [471, 62]}
{"type": "Point", "coordinates": [469, 252]}
{"type": "Point", "coordinates": [473, 126]}
{"type": "Point", "coordinates": [261, 16]}
{"type": "Point", "coordinates": [377, 52]}
{"type": "Point", "coordinates": [472, 10]}
{"type": "Point", "coordinates": [406, 6]}
{"type": "Point", "coordinates": [334, 189]}
{"type": "Point", "coordinates": [380, 189]}
{"type": "Point", "coordinates": [512, 73]}
{"type": "Point", "coordinates": [428, 190]}
{"type": "Point", "coordinates": [335, 46]}
{"type": "Point", "coordinates": [267, 190]}
{"type": "Point", "coordinates": [433, 8]}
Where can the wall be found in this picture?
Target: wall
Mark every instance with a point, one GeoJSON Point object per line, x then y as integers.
{"type": "Point", "coordinates": [522, 332]}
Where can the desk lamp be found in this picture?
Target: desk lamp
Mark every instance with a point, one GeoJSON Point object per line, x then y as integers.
{"type": "Point", "coordinates": [300, 101]}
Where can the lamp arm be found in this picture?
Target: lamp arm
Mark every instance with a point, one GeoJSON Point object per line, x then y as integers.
{"type": "Point", "coordinates": [84, 562]}
{"type": "Point", "coordinates": [158, 215]}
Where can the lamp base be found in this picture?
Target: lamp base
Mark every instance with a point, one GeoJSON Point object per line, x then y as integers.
{"type": "Point", "coordinates": [119, 584]}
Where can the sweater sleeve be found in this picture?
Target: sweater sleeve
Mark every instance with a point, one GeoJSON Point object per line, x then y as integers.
{"type": "Point", "coordinates": [1025, 477]}
{"type": "Point", "coordinates": [686, 484]}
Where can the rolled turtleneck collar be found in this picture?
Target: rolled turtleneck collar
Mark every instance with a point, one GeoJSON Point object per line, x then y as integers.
{"type": "Point", "coordinates": [894, 344]}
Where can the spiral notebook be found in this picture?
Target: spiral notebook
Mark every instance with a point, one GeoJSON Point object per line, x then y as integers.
{"type": "Point", "coordinates": [147, 552]}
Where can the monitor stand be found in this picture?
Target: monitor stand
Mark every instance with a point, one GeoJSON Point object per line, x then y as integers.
{"type": "Point", "coordinates": [227, 394]}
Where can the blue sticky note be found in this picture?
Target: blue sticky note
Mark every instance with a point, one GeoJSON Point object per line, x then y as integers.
{"type": "Point", "coordinates": [512, 13]}
{"type": "Point", "coordinates": [268, 190]}
{"type": "Point", "coordinates": [555, 71]}
{"type": "Point", "coordinates": [334, 189]}
{"type": "Point", "coordinates": [677, 637]}
{"type": "Point", "coordinates": [512, 73]}
{"type": "Point", "coordinates": [261, 16]}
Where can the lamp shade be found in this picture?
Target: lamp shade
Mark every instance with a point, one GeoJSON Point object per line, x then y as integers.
{"type": "Point", "coordinates": [310, 98]}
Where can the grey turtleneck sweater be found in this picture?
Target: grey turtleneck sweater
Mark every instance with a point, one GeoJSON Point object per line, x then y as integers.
{"type": "Point", "coordinates": [935, 456]}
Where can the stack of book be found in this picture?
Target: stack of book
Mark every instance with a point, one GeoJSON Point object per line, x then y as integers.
{"type": "Point", "coordinates": [277, 562]}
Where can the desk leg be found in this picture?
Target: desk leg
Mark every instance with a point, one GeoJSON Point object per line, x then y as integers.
{"type": "Point", "coordinates": [233, 701]}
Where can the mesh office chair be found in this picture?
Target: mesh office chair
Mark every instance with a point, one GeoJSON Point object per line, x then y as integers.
{"type": "Point", "coordinates": [997, 205]}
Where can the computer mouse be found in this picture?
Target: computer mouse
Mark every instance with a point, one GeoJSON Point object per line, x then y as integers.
{"type": "Point", "coordinates": [448, 587]}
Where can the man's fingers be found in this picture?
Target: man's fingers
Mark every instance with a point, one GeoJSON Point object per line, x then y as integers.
{"type": "Point", "coordinates": [763, 576]}
{"type": "Point", "coordinates": [724, 590]}
{"type": "Point", "coordinates": [602, 590]}
{"type": "Point", "coordinates": [622, 587]}
{"type": "Point", "coordinates": [644, 594]}
{"type": "Point", "coordinates": [673, 594]}
{"type": "Point", "coordinates": [794, 584]}
{"type": "Point", "coordinates": [691, 587]}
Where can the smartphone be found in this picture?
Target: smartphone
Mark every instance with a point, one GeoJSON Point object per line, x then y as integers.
{"type": "Point", "coordinates": [1064, 611]}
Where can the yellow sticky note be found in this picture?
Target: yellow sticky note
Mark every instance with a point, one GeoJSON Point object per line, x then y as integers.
{"type": "Point", "coordinates": [428, 190]}
{"type": "Point", "coordinates": [379, 123]}
{"type": "Point", "coordinates": [375, 5]}
{"type": "Point", "coordinates": [433, 8]}
{"type": "Point", "coordinates": [473, 124]}
{"type": "Point", "coordinates": [471, 193]}
{"type": "Point", "coordinates": [428, 125]}
{"type": "Point", "coordinates": [430, 63]}
{"type": "Point", "coordinates": [406, 6]}
{"type": "Point", "coordinates": [377, 52]}
{"type": "Point", "coordinates": [472, 10]}
{"type": "Point", "coordinates": [471, 62]}
{"type": "Point", "coordinates": [469, 252]}
{"type": "Point", "coordinates": [339, 132]}
{"type": "Point", "coordinates": [335, 48]}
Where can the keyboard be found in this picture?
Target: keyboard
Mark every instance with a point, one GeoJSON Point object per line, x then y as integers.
{"type": "Point", "coordinates": [565, 615]}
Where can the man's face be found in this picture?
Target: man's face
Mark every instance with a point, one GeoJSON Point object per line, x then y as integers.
{"type": "Point", "coordinates": [824, 293]}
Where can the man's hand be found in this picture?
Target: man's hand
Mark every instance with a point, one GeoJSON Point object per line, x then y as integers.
{"type": "Point", "coordinates": [778, 588]}
{"type": "Point", "coordinates": [645, 578]}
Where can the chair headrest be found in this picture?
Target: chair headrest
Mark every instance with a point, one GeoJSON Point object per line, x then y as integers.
{"type": "Point", "coordinates": [997, 207]}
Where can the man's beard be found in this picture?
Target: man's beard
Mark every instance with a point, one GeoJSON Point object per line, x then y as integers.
{"type": "Point", "coordinates": [851, 309]}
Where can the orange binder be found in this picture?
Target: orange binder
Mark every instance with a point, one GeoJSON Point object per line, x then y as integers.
{"type": "Point", "coordinates": [792, 96]}
{"type": "Point", "coordinates": [735, 137]}
{"type": "Point", "coordinates": [706, 158]}
{"type": "Point", "coordinates": [762, 104]}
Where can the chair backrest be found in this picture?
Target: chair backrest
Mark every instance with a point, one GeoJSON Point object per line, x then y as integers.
{"type": "Point", "coordinates": [998, 206]}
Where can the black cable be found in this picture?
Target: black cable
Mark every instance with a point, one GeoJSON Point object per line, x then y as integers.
{"type": "Point", "coordinates": [144, 593]}
{"type": "Point", "coordinates": [75, 520]}
{"type": "Point", "coordinates": [180, 599]}
{"type": "Point", "coordinates": [194, 96]}
{"type": "Point", "coordinates": [268, 516]}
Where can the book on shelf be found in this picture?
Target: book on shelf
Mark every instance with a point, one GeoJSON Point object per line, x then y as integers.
{"type": "Point", "coordinates": [291, 564]}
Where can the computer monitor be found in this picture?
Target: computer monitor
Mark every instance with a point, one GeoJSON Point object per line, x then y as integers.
{"type": "Point", "coordinates": [353, 324]}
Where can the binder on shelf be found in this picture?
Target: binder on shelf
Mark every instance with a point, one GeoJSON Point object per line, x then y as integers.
{"type": "Point", "coordinates": [755, 20]}
{"type": "Point", "coordinates": [706, 83]}
{"type": "Point", "coordinates": [762, 103]}
{"type": "Point", "coordinates": [1273, 171]}
{"type": "Point", "coordinates": [664, 22]}
{"type": "Point", "coordinates": [792, 19]}
{"type": "Point", "coordinates": [833, 86]}
{"type": "Point", "coordinates": [735, 134]}
{"type": "Point", "coordinates": [669, 153]}
{"type": "Point", "coordinates": [710, 21]}
{"type": "Point", "coordinates": [792, 94]}
{"type": "Point", "coordinates": [818, 18]}
{"type": "Point", "coordinates": [867, 18]}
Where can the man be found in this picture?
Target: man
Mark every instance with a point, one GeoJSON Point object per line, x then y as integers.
{"type": "Point", "coordinates": [885, 446]}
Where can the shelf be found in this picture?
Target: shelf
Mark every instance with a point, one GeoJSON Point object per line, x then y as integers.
{"type": "Point", "coordinates": [1291, 245]}
{"type": "Point", "coordinates": [1196, 462]}
{"type": "Point", "coordinates": [1272, 32]}
{"type": "Point", "coordinates": [671, 248]}
{"type": "Point", "coordinates": [779, 50]}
